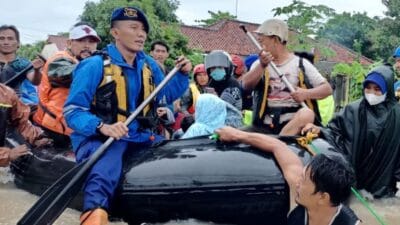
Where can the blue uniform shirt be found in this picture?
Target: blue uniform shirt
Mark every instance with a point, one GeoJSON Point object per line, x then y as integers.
{"type": "Point", "coordinates": [86, 79]}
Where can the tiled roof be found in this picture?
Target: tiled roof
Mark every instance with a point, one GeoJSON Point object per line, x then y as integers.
{"type": "Point", "coordinates": [224, 35]}
{"type": "Point", "coordinates": [227, 35]}
{"type": "Point", "coordinates": [346, 55]}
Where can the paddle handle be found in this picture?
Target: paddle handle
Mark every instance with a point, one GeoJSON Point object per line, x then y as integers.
{"type": "Point", "coordinates": [109, 140]}
{"type": "Point", "coordinates": [151, 96]}
{"type": "Point", "coordinates": [86, 166]}
{"type": "Point", "coordinates": [131, 117]}
{"type": "Point", "coordinates": [280, 74]}
{"type": "Point", "coordinates": [255, 42]}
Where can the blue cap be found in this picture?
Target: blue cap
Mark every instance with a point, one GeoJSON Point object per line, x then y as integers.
{"type": "Point", "coordinates": [397, 86]}
{"type": "Point", "coordinates": [130, 13]}
{"type": "Point", "coordinates": [396, 53]}
{"type": "Point", "coordinates": [250, 59]}
{"type": "Point", "coordinates": [377, 79]}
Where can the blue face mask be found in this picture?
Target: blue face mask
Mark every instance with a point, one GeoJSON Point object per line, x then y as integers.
{"type": "Point", "coordinates": [218, 74]}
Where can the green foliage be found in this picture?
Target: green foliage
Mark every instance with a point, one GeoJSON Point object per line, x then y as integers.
{"type": "Point", "coordinates": [30, 51]}
{"type": "Point", "coordinates": [178, 46]}
{"type": "Point", "coordinates": [325, 52]}
{"type": "Point", "coordinates": [306, 20]}
{"type": "Point", "coordinates": [351, 30]}
{"type": "Point", "coordinates": [375, 37]}
{"type": "Point", "coordinates": [393, 7]}
{"type": "Point", "coordinates": [160, 13]}
{"type": "Point", "coordinates": [197, 57]}
{"type": "Point", "coordinates": [385, 38]}
{"type": "Point", "coordinates": [215, 17]}
{"type": "Point", "coordinates": [356, 74]}
{"type": "Point", "coordinates": [166, 10]}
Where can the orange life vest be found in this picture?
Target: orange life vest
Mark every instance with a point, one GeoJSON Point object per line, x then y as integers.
{"type": "Point", "coordinates": [51, 100]}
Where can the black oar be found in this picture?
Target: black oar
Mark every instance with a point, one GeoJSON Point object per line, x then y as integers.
{"type": "Point", "coordinates": [56, 198]}
{"type": "Point", "coordinates": [20, 76]}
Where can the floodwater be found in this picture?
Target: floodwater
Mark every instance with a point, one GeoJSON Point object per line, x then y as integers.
{"type": "Point", "coordinates": [15, 202]}
{"type": "Point", "coordinates": [387, 209]}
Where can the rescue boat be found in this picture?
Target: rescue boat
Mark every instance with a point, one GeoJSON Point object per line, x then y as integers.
{"type": "Point", "coordinates": [189, 178]}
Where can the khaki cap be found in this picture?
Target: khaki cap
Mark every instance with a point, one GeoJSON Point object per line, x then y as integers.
{"type": "Point", "coordinates": [274, 27]}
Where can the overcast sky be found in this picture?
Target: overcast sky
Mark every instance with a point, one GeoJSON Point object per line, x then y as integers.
{"type": "Point", "coordinates": [37, 18]}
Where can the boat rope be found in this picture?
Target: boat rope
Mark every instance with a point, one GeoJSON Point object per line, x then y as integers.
{"type": "Point", "coordinates": [306, 142]}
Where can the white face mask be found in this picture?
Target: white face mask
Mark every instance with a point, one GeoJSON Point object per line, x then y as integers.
{"type": "Point", "coordinates": [375, 99]}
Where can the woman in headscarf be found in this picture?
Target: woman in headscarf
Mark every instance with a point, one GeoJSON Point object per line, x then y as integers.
{"type": "Point", "coordinates": [366, 131]}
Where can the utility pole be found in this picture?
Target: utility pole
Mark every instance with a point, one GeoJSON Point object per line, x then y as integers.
{"type": "Point", "coordinates": [236, 8]}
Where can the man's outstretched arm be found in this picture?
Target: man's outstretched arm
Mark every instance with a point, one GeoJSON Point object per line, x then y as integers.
{"type": "Point", "coordinates": [289, 162]}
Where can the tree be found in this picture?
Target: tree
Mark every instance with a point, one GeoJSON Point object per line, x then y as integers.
{"type": "Point", "coordinates": [30, 51]}
{"type": "Point", "coordinates": [352, 31]}
{"type": "Point", "coordinates": [215, 17]}
{"type": "Point", "coordinates": [161, 16]}
{"type": "Point", "coordinates": [305, 20]}
{"type": "Point", "coordinates": [393, 7]}
{"type": "Point", "coordinates": [385, 37]}
{"type": "Point", "coordinates": [166, 10]}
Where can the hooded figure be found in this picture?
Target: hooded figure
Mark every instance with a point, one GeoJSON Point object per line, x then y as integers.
{"type": "Point", "coordinates": [212, 113]}
{"type": "Point", "coordinates": [366, 131]}
{"type": "Point", "coordinates": [220, 68]}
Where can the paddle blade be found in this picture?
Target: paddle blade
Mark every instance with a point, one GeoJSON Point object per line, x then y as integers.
{"type": "Point", "coordinates": [49, 50]}
{"type": "Point", "coordinates": [51, 204]}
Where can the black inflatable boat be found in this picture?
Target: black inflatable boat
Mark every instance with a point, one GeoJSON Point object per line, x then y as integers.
{"type": "Point", "coordinates": [193, 178]}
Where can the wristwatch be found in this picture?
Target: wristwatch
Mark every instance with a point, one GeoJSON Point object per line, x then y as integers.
{"type": "Point", "coordinates": [99, 126]}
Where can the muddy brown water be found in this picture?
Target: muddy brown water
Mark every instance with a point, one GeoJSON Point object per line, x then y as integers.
{"type": "Point", "coordinates": [15, 202]}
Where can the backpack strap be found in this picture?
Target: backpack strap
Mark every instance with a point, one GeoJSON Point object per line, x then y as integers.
{"type": "Point", "coordinates": [264, 100]}
{"type": "Point", "coordinates": [305, 83]}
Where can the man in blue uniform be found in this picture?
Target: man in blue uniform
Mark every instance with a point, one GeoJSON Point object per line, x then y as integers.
{"type": "Point", "coordinates": [92, 121]}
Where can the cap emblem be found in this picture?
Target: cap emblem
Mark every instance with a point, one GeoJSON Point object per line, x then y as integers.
{"type": "Point", "coordinates": [129, 12]}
